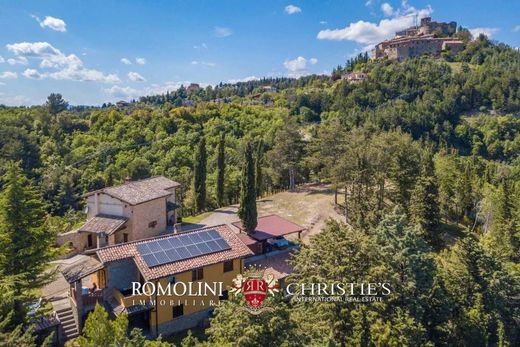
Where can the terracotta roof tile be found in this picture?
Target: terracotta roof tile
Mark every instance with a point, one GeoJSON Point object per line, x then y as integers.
{"type": "Point", "coordinates": [247, 240]}
{"type": "Point", "coordinates": [129, 250]}
{"type": "Point", "coordinates": [103, 223]}
{"type": "Point", "coordinates": [82, 266]}
{"type": "Point", "coordinates": [137, 192]}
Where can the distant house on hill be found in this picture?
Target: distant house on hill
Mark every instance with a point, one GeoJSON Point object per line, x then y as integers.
{"type": "Point", "coordinates": [355, 77]}
{"type": "Point", "coordinates": [122, 103]}
{"type": "Point", "coordinates": [269, 89]}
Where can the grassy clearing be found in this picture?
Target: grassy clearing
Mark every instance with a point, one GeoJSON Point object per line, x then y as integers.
{"type": "Point", "coordinates": [196, 219]}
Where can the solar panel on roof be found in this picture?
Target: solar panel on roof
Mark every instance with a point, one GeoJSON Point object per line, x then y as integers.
{"type": "Point", "coordinates": [173, 255]}
{"type": "Point", "coordinates": [161, 257]}
{"type": "Point", "coordinates": [204, 236]}
{"type": "Point", "coordinates": [154, 246]}
{"type": "Point", "coordinates": [183, 252]}
{"type": "Point", "coordinates": [222, 244]}
{"type": "Point", "coordinates": [214, 235]}
{"type": "Point", "coordinates": [204, 248]}
{"type": "Point", "coordinates": [196, 238]}
{"type": "Point", "coordinates": [143, 249]}
{"type": "Point", "coordinates": [182, 247]}
{"type": "Point", "coordinates": [166, 245]}
{"type": "Point", "coordinates": [194, 251]}
{"type": "Point", "coordinates": [186, 240]}
{"type": "Point", "coordinates": [175, 242]}
{"type": "Point", "coordinates": [213, 246]}
{"type": "Point", "coordinates": [150, 260]}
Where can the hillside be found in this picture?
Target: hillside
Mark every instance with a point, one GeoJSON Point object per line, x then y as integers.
{"type": "Point", "coordinates": [423, 157]}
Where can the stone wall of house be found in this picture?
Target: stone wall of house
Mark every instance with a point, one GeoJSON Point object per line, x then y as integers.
{"type": "Point", "coordinates": [77, 240]}
{"type": "Point", "coordinates": [148, 219]}
{"type": "Point", "coordinates": [172, 215]}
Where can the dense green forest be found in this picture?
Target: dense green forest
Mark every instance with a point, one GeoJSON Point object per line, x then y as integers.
{"type": "Point", "coordinates": [424, 156]}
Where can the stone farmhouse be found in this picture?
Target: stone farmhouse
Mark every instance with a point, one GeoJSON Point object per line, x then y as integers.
{"type": "Point", "coordinates": [131, 211]}
{"type": "Point", "coordinates": [429, 38]}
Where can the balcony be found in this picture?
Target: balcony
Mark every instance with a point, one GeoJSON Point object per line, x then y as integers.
{"type": "Point", "coordinates": [88, 300]}
{"type": "Point", "coordinates": [124, 301]}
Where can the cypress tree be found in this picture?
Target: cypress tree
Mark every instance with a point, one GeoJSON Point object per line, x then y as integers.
{"type": "Point", "coordinates": [221, 168]}
{"type": "Point", "coordinates": [200, 175]}
{"type": "Point", "coordinates": [258, 168]}
{"type": "Point", "coordinates": [424, 203]}
{"type": "Point", "coordinates": [247, 210]}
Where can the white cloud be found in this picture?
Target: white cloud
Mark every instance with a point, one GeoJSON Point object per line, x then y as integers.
{"type": "Point", "coordinates": [140, 61]}
{"type": "Point", "coordinates": [475, 32]}
{"type": "Point", "coordinates": [291, 9]}
{"type": "Point", "coordinates": [13, 100]}
{"type": "Point", "coordinates": [245, 79]}
{"type": "Point", "coordinates": [370, 2]}
{"type": "Point", "coordinates": [2, 60]}
{"type": "Point", "coordinates": [202, 45]}
{"type": "Point", "coordinates": [53, 23]}
{"type": "Point", "coordinates": [123, 92]}
{"type": "Point", "coordinates": [298, 66]}
{"type": "Point", "coordinates": [368, 33]}
{"type": "Point", "coordinates": [222, 31]}
{"type": "Point", "coordinates": [203, 63]}
{"type": "Point", "coordinates": [134, 76]}
{"type": "Point", "coordinates": [8, 75]}
{"type": "Point", "coordinates": [128, 93]}
{"type": "Point", "coordinates": [387, 9]}
{"type": "Point", "coordinates": [18, 60]}
{"type": "Point", "coordinates": [32, 73]}
{"type": "Point", "coordinates": [126, 61]}
{"type": "Point", "coordinates": [323, 22]}
{"type": "Point", "coordinates": [67, 67]}
{"type": "Point", "coordinates": [515, 29]}
{"type": "Point", "coordinates": [167, 86]}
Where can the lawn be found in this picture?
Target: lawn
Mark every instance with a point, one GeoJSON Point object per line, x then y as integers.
{"type": "Point", "coordinates": [196, 219]}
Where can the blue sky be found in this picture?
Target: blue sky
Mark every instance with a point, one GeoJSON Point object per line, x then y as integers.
{"type": "Point", "coordinates": [98, 51]}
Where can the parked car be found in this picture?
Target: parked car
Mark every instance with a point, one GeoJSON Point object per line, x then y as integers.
{"type": "Point", "coordinates": [278, 242]}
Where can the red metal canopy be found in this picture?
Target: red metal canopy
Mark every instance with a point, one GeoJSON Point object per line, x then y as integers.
{"type": "Point", "coordinates": [272, 226]}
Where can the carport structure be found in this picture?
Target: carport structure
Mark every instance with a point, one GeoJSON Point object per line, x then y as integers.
{"type": "Point", "coordinates": [268, 227]}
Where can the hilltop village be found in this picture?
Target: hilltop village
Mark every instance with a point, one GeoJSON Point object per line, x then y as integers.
{"type": "Point", "coordinates": [429, 37]}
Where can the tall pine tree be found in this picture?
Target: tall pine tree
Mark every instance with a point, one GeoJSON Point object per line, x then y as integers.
{"type": "Point", "coordinates": [221, 169]}
{"type": "Point", "coordinates": [424, 203]}
{"type": "Point", "coordinates": [247, 210]}
{"type": "Point", "coordinates": [25, 243]}
{"type": "Point", "coordinates": [200, 175]}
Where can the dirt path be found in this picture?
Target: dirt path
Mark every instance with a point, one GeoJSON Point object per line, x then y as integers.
{"type": "Point", "coordinates": [309, 205]}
